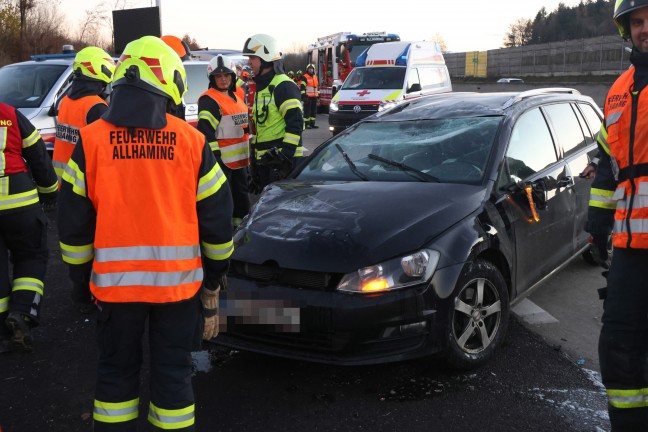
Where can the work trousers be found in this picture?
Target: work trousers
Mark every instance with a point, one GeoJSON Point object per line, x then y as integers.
{"type": "Point", "coordinates": [238, 181]}
{"type": "Point", "coordinates": [623, 343]}
{"type": "Point", "coordinates": [23, 233]}
{"type": "Point", "coordinates": [310, 111]}
{"type": "Point", "coordinates": [174, 329]}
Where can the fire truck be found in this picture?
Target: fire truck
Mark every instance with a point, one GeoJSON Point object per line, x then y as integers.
{"type": "Point", "coordinates": [334, 57]}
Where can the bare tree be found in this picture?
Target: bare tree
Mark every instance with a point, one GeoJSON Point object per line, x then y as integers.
{"type": "Point", "coordinates": [191, 42]}
{"type": "Point", "coordinates": [519, 34]}
{"type": "Point", "coordinates": [442, 43]}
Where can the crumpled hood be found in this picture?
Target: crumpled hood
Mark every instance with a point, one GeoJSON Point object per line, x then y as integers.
{"type": "Point", "coordinates": [340, 227]}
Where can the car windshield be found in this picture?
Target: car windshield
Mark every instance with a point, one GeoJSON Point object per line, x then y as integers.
{"type": "Point", "coordinates": [445, 150]}
{"type": "Point", "coordinates": [25, 86]}
{"type": "Point", "coordinates": [375, 78]}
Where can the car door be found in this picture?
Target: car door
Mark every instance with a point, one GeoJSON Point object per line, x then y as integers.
{"type": "Point", "coordinates": [540, 245]}
{"type": "Point", "coordinates": [575, 139]}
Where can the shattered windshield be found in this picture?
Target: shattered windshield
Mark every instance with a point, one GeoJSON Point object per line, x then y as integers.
{"type": "Point", "coordinates": [25, 86]}
{"type": "Point", "coordinates": [444, 150]}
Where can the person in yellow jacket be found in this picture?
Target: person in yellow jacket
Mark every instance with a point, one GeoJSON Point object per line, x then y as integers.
{"type": "Point", "coordinates": [276, 113]}
{"type": "Point", "coordinates": [84, 103]}
{"type": "Point", "coordinates": [223, 119]}
{"type": "Point", "coordinates": [145, 223]}
{"type": "Point", "coordinates": [618, 204]}
{"type": "Point", "coordinates": [27, 179]}
{"type": "Point", "coordinates": [311, 95]}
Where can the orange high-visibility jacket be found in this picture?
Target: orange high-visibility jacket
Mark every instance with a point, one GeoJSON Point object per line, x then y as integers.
{"type": "Point", "coordinates": [144, 186]}
{"type": "Point", "coordinates": [625, 111]}
{"type": "Point", "coordinates": [233, 142]}
{"type": "Point", "coordinates": [312, 85]}
{"type": "Point", "coordinates": [71, 118]}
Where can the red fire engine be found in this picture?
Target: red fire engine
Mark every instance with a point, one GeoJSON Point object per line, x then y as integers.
{"type": "Point", "coordinates": [334, 57]}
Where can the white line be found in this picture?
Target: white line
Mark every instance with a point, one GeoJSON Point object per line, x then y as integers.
{"type": "Point", "coordinates": [531, 313]}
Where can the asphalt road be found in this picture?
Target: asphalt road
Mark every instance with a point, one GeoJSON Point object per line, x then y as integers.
{"type": "Point", "coordinates": [532, 384]}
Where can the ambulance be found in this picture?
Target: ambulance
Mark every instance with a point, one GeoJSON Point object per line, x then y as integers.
{"type": "Point", "coordinates": [385, 74]}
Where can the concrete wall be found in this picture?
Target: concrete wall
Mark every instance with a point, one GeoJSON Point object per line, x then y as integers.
{"type": "Point", "coordinates": [596, 91]}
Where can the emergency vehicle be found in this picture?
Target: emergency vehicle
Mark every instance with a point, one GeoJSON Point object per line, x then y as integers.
{"type": "Point", "coordinates": [385, 74]}
{"type": "Point", "coordinates": [334, 57]}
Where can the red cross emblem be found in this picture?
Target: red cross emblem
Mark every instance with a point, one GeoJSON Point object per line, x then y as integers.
{"type": "Point", "coordinates": [363, 92]}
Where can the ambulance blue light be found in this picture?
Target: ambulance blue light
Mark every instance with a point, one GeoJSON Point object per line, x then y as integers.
{"type": "Point", "coordinates": [362, 58]}
{"type": "Point", "coordinates": [401, 60]}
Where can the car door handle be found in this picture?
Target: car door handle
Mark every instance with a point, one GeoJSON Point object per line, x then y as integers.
{"type": "Point", "coordinates": [565, 182]}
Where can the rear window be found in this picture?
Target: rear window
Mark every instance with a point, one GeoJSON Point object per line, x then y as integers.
{"type": "Point", "coordinates": [25, 86]}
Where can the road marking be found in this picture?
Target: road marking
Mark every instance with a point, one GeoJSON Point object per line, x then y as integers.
{"type": "Point", "coordinates": [531, 313]}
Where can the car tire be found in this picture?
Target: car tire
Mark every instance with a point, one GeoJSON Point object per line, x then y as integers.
{"type": "Point", "coordinates": [479, 317]}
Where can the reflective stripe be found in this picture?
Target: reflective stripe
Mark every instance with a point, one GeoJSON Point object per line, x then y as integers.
{"type": "Point", "coordinates": [208, 117]}
{"type": "Point", "coordinates": [3, 145]}
{"type": "Point", "coordinates": [210, 183]}
{"type": "Point", "coordinates": [601, 138]}
{"type": "Point", "coordinates": [115, 412]}
{"type": "Point", "coordinates": [613, 118]}
{"type": "Point", "coordinates": [31, 139]}
{"type": "Point", "coordinates": [146, 278]}
{"type": "Point", "coordinates": [75, 177]}
{"type": "Point", "coordinates": [289, 104]}
{"type": "Point", "coordinates": [48, 189]}
{"type": "Point", "coordinates": [640, 201]}
{"type": "Point", "coordinates": [28, 284]}
{"type": "Point", "coordinates": [59, 168]}
{"type": "Point", "coordinates": [4, 186]}
{"type": "Point", "coordinates": [235, 152]}
{"type": "Point", "coordinates": [142, 253]}
{"type": "Point", "coordinates": [4, 304]}
{"type": "Point", "coordinates": [213, 145]}
{"type": "Point", "coordinates": [291, 139]}
{"type": "Point", "coordinates": [77, 254]}
{"type": "Point", "coordinates": [218, 251]}
{"type": "Point", "coordinates": [637, 226]}
{"type": "Point", "coordinates": [602, 198]}
{"type": "Point", "coordinates": [18, 200]}
{"type": "Point", "coordinates": [169, 419]}
{"type": "Point", "coordinates": [636, 398]}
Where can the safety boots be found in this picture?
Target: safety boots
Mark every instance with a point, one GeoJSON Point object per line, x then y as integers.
{"type": "Point", "coordinates": [19, 326]}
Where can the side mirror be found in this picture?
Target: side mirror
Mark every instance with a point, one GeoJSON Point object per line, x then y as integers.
{"type": "Point", "coordinates": [416, 87]}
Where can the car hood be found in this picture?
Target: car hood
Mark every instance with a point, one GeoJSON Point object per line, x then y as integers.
{"type": "Point", "coordinates": [340, 227]}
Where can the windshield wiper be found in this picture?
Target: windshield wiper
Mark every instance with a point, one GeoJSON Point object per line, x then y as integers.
{"type": "Point", "coordinates": [423, 176]}
{"type": "Point", "coordinates": [354, 168]}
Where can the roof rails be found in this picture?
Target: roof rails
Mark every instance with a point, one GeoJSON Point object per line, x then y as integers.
{"type": "Point", "coordinates": [529, 93]}
{"type": "Point", "coordinates": [41, 57]}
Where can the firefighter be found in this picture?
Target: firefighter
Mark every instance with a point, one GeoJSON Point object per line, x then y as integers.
{"type": "Point", "coordinates": [23, 227]}
{"type": "Point", "coordinates": [223, 119]}
{"type": "Point", "coordinates": [618, 201]}
{"type": "Point", "coordinates": [83, 103]}
{"type": "Point", "coordinates": [184, 52]}
{"type": "Point", "coordinates": [310, 96]}
{"type": "Point", "coordinates": [147, 214]}
{"type": "Point", "coordinates": [291, 75]}
{"type": "Point", "coordinates": [276, 113]}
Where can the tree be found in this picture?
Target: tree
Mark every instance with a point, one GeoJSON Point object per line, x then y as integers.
{"type": "Point", "coordinates": [442, 43]}
{"type": "Point", "coordinates": [519, 34]}
{"type": "Point", "coordinates": [191, 42]}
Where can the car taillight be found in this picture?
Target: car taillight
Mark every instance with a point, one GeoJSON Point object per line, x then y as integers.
{"type": "Point", "coordinates": [48, 139]}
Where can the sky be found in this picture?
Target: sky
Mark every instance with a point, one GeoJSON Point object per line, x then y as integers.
{"type": "Point", "coordinates": [468, 25]}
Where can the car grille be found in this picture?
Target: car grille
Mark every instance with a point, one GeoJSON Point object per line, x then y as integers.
{"type": "Point", "coordinates": [271, 273]}
{"type": "Point", "coordinates": [364, 108]}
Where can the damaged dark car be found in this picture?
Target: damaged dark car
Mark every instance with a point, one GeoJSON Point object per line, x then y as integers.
{"type": "Point", "coordinates": [412, 233]}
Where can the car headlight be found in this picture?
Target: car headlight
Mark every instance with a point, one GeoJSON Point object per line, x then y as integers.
{"type": "Point", "coordinates": [386, 106]}
{"type": "Point", "coordinates": [412, 269]}
{"type": "Point", "coordinates": [333, 106]}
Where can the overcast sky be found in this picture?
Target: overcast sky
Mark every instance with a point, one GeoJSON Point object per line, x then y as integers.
{"type": "Point", "coordinates": [468, 25]}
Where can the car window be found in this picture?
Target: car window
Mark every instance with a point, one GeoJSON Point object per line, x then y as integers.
{"type": "Point", "coordinates": [566, 127]}
{"type": "Point", "coordinates": [432, 77]}
{"type": "Point", "coordinates": [197, 82]}
{"type": "Point", "coordinates": [530, 148]}
{"type": "Point", "coordinates": [592, 117]}
{"type": "Point", "coordinates": [451, 150]}
{"type": "Point", "coordinates": [25, 86]}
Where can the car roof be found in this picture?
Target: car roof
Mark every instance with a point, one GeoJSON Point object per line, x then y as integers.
{"type": "Point", "coordinates": [469, 104]}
